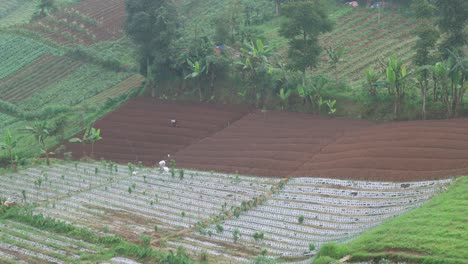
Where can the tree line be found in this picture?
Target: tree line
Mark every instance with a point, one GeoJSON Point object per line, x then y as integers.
{"type": "Point", "coordinates": [230, 46]}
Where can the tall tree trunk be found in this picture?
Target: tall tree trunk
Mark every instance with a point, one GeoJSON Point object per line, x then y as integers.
{"type": "Point", "coordinates": [212, 78]}
{"type": "Point", "coordinates": [199, 89]}
{"type": "Point", "coordinates": [303, 78]}
{"type": "Point", "coordinates": [336, 73]}
{"type": "Point", "coordinates": [423, 94]}
{"type": "Point", "coordinates": [277, 7]}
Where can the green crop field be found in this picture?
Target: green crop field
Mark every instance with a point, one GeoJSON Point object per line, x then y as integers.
{"type": "Point", "coordinates": [85, 82]}
{"type": "Point", "coordinates": [36, 76]}
{"type": "Point", "coordinates": [6, 7]}
{"type": "Point", "coordinates": [17, 51]}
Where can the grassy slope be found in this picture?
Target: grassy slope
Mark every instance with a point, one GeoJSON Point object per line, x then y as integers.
{"type": "Point", "coordinates": [436, 232]}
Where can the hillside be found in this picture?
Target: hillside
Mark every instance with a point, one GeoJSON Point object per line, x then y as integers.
{"type": "Point", "coordinates": [42, 76]}
{"type": "Point", "coordinates": [245, 178]}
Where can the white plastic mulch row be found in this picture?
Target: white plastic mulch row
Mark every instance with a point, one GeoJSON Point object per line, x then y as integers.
{"type": "Point", "coordinates": [333, 210]}
{"type": "Point", "coordinates": [154, 197]}
{"type": "Point", "coordinates": [93, 195]}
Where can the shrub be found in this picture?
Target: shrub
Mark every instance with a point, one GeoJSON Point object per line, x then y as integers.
{"type": "Point", "coordinates": [325, 260]}
{"type": "Point", "coordinates": [235, 235]}
{"type": "Point", "coordinates": [219, 228]}
{"type": "Point", "coordinates": [300, 219]}
{"type": "Point", "coordinates": [145, 239]}
{"type": "Point", "coordinates": [311, 247]}
{"type": "Point", "coordinates": [332, 250]}
{"type": "Point", "coordinates": [258, 235]}
{"type": "Point", "coordinates": [264, 260]}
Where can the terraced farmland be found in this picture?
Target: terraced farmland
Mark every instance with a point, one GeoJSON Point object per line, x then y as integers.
{"type": "Point", "coordinates": [86, 81]}
{"type": "Point", "coordinates": [202, 210]}
{"type": "Point", "coordinates": [332, 210]}
{"type": "Point", "coordinates": [400, 151]}
{"type": "Point", "coordinates": [38, 75]}
{"type": "Point", "coordinates": [266, 143]}
{"type": "Point", "coordinates": [366, 40]}
{"type": "Point", "coordinates": [87, 22]}
{"type": "Point", "coordinates": [116, 90]}
{"type": "Point", "coordinates": [6, 7]}
{"type": "Point", "coordinates": [279, 144]}
{"type": "Point", "coordinates": [17, 52]}
{"type": "Point", "coordinates": [24, 244]}
{"type": "Point", "coordinates": [155, 138]}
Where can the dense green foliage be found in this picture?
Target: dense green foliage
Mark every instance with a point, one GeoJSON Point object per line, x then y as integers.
{"type": "Point", "coordinates": [152, 26]}
{"type": "Point", "coordinates": [305, 21]}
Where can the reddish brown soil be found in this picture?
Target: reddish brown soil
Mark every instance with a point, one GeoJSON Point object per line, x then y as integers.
{"type": "Point", "coordinates": [109, 13]}
{"type": "Point", "coordinates": [266, 144]}
{"type": "Point", "coordinates": [140, 129]}
{"type": "Point", "coordinates": [280, 144]}
{"type": "Point", "coordinates": [401, 151]}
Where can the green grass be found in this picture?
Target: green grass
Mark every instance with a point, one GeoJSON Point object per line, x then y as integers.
{"type": "Point", "coordinates": [436, 232]}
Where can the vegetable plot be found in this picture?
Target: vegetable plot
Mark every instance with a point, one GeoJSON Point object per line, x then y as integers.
{"type": "Point", "coordinates": [227, 215]}
{"type": "Point", "coordinates": [310, 211]}
{"type": "Point", "coordinates": [17, 51]}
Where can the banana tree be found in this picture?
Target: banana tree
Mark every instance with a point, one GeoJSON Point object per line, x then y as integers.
{"type": "Point", "coordinates": [335, 56]}
{"type": "Point", "coordinates": [197, 71]}
{"type": "Point", "coordinates": [395, 77]}
{"type": "Point", "coordinates": [284, 97]}
{"type": "Point", "coordinates": [449, 76]}
{"type": "Point", "coordinates": [9, 144]}
{"type": "Point", "coordinates": [331, 106]}
{"type": "Point", "coordinates": [90, 135]}
{"type": "Point", "coordinates": [458, 74]}
{"type": "Point", "coordinates": [371, 79]}
{"type": "Point", "coordinates": [255, 66]}
{"type": "Point", "coordinates": [94, 135]}
{"type": "Point", "coordinates": [40, 131]}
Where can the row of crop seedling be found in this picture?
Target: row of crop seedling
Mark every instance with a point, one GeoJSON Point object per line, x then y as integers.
{"type": "Point", "coordinates": [366, 185]}
{"type": "Point", "coordinates": [362, 29]}
{"type": "Point", "coordinates": [360, 32]}
{"type": "Point", "coordinates": [167, 198]}
{"type": "Point", "coordinates": [289, 226]}
{"type": "Point", "coordinates": [54, 182]}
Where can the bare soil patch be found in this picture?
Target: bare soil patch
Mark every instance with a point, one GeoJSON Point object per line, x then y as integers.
{"type": "Point", "coordinates": [140, 129]}
{"type": "Point", "coordinates": [280, 144]}
{"type": "Point", "coordinates": [401, 151]}
{"type": "Point", "coordinates": [266, 143]}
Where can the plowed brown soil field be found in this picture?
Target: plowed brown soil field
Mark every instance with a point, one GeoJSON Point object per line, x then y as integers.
{"type": "Point", "coordinates": [267, 144]}
{"type": "Point", "coordinates": [403, 151]}
{"type": "Point", "coordinates": [280, 144]}
{"type": "Point", "coordinates": [140, 129]}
